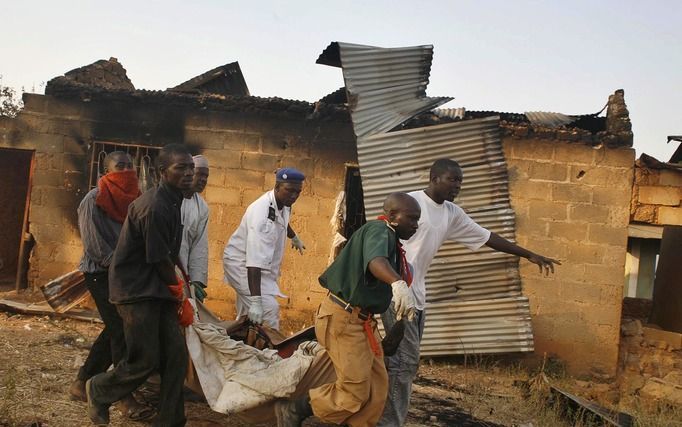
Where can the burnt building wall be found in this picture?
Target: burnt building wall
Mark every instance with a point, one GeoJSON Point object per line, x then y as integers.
{"type": "Point", "coordinates": [244, 142]}
{"type": "Point", "coordinates": [572, 203]}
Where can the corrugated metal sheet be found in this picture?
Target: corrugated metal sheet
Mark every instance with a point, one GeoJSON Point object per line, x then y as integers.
{"type": "Point", "coordinates": [475, 301]}
{"type": "Point", "coordinates": [548, 119]}
{"type": "Point", "coordinates": [453, 113]}
{"type": "Point", "coordinates": [499, 325]}
{"type": "Point", "coordinates": [401, 160]}
{"type": "Point", "coordinates": [385, 87]}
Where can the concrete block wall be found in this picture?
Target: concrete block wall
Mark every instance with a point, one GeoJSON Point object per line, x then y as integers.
{"type": "Point", "coordinates": [572, 204]}
{"type": "Point", "coordinates": [657, 196]}
{"type": "Point", "coordinates": [244, 149]}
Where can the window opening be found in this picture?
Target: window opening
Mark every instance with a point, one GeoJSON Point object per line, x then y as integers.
{"type": "Point", "coordinates": [144, 159]}
{"type": "Point", "coordinates": [640, 267]}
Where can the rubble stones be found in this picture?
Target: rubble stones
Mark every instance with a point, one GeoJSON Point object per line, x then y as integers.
{"type": "Point", "coordinates": [674, 377]}
{"type": "Point", "coordinates": [618, 123]}
{"type": "Point", "coordinates": [658, 390]}
{"type": "Point", "coordinates": [672, 340]}
{"type": "Point", "coordinates": [631, 328]}
{"type": "Point", "coordinates": [102, 74]}
{"type": "Point", "coordinates": [650, 363]}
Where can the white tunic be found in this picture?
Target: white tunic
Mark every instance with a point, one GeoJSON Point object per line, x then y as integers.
{"type": "Point", "coordinates": [258, 242]}
{"type": "Point", "coordinates": [194, 248]}
{"type": "Point", "coordinates": [437, 224]}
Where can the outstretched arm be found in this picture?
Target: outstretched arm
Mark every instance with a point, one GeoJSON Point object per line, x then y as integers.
{"type": "Point", "coordinates": [501, 244]}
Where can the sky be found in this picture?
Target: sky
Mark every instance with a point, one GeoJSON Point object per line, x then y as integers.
{"type": "Point", "coordinates": [511, 56]}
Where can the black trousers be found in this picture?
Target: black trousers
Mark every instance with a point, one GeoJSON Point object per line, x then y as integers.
{"type": "Point", "coordinates": [154, 342]}
{"type": "Point", "coordinates": [109, 346]}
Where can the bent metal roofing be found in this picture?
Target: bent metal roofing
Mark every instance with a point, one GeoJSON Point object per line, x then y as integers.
{"type": "Point", "coordinates": [474, 301]}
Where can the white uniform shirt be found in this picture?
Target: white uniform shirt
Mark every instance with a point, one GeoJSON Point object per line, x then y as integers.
{"type": "Point", "coordinates": [193, 253]}
{"type": "Point", "coordinates": [258, 242]}
{"type": "Point", "coordinates": [437, 224]}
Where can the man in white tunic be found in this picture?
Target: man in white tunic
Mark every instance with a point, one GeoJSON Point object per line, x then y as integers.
{"type": "Point", "coordinates": [253, 255]}
{"type": "Point", "coordinates": [193, 253]}
{"type": "Point", "coordinates": [440, 220]}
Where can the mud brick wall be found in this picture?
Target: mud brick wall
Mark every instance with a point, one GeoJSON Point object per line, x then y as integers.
{"type": "Point", "coordinates": [657, 196]}
{"type": "Point", "coordinates": [572, 202]}
{"type": "Point", "coordinates": [244, 147]}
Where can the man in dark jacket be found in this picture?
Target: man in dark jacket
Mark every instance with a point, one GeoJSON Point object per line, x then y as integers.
{"type": "Point", "coordinates": [141, 272]}
{"type": "Point", "coordinates": [100, 216]}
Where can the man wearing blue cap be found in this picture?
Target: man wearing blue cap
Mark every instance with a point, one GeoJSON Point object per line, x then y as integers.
{"type": "Point", "coordinates": [253, 255]}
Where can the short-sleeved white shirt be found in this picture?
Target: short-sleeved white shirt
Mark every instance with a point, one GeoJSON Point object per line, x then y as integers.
{"type": "Point", "coordinates": [438, 223]}
{"type": "Point", "coordinates": [258, 242]}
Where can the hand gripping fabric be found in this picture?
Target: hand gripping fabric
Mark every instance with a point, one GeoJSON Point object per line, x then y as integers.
{"type": "Point", "coordinates": [256, 309]}
{"type": "Point", "coordinates": [185, 309]}
{"type": "Point", "coordinates": [403, 300]}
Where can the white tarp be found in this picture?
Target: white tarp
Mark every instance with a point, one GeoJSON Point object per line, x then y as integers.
{"type": "Point", "coordinates": [235, 377]}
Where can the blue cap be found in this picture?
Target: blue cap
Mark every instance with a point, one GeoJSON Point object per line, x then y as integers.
{"type": "Point", "coordinates": [289, 175]}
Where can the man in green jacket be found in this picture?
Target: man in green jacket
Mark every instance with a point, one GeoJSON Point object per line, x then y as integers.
{"type": "Point", "coordinates": [369, 272]}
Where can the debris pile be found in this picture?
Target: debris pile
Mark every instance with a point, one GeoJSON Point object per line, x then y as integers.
{"type": "Point", "coordinates": [651, 363]}
{"type": "Point", "coordinates": [105, 74]}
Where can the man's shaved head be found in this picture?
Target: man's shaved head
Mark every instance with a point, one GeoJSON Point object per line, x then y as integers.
{"type": "Point", "coordinates": [403, 213]}
{"type": "Point", "coordinates": [399, 201]}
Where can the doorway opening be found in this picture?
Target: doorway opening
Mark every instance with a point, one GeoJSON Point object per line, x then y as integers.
{"type": "Point", "coordinates": [15, 191]}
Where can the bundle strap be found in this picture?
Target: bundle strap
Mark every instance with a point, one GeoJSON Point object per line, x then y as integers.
{"type": "Point", "coordinates": [373, 344]}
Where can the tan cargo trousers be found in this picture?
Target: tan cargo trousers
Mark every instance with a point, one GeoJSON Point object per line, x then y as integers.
{"type": "Point", "coordinates": [357, 397]}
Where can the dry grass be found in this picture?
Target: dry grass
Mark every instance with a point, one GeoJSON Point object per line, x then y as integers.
{"type": "Point", "coordinates": [656, 415]}
{"type": "Point", "coordinates": [508, 393]}
{"type": "Point", "coordinates": [39, 358]}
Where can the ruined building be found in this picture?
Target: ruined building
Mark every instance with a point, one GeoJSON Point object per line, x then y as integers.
{"type": "Point", "coordinates": [559, 184]}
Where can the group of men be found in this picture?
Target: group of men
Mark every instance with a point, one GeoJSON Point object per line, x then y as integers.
{"type": "Point", "coordinates": [382, 270]}
{"type": "Point", "coordinates": [144, 254]}
{"type": "Point", "coordinates": [132, 244]}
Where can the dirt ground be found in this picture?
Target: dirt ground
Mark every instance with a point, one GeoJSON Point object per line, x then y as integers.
{"type": "Point", "coordinates": [39, 357]}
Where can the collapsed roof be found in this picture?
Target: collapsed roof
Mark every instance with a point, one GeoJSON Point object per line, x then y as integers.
{"type": "Point", "coordinates": [224, 80]}
{"type": "Point", "coordinates": [220, 89]}
{"type": "Point", "coordinates": [225, 88]}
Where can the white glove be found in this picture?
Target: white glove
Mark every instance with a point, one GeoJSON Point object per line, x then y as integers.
{"type": "Point", "coordinates": [403, 301]}
{"type": "Point", "coordinates": [297, 243]}
{"type": "Point", "coordinates": [255, 313]}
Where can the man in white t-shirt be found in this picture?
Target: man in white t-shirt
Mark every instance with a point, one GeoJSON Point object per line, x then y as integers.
{"type": "Point", "coordinates": [253, 255]}
{"type": "Point", "coordinates": [440, 220]}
